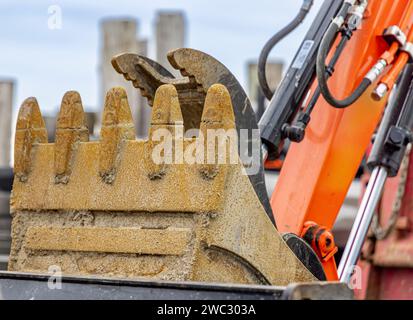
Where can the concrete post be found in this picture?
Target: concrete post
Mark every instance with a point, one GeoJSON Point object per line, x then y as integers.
{"type": "Point", "coordinates": [118, 36]}
{"type": "Point", "coordinates": [170, 34]}
{"type": "Point", "coordinates": [142, 121]}
{"type": "Point", "coordinates": [274, 76]}
{"type": "Point", "coordinates": [6, 110]}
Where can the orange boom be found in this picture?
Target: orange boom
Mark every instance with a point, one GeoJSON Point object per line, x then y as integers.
{"type": "Point", "coordinates": [317, 172]}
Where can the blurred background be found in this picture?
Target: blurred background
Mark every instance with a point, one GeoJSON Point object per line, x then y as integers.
{"type": "Point", "coordinates": [50, 47]}
{"type": "Point", "coordinates": [47, 55]}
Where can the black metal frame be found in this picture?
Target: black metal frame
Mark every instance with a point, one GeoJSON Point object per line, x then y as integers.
{"type": "Point", "coordinates": [23, 286]}
{"type": "Point", "coordinates": [285, 103]}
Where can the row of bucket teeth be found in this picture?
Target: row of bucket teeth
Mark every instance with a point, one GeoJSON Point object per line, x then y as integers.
{"type": "Point", "coordinates": [116, 129]}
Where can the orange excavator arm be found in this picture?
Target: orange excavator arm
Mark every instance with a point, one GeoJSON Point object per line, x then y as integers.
{"type": "Point", "coordinates": [317, 171]}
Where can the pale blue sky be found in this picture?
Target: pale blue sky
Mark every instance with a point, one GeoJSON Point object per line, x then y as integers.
{"type": "Point", "coordinates": [46, 63]}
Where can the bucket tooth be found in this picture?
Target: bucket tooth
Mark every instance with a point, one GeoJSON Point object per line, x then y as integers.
{"type": "Point", "coordinates": [218, 112]}
{"type": "Point", "coordinates": [71, 129]}
{"type": "Point", "coordinates": [117, 127]}
{"type": "Point", "coordinates": [167, 124]}
{"type": "Point", "coordinates": [166, 109]}
{"type": "Point", "coordinates": [217, 123]}
{"type": "Point", "coordinates": [30, 130]}
{"type": "Point", "coordinates": [145, 74]}
{"type": "Point", "coordinates": [148, 76]}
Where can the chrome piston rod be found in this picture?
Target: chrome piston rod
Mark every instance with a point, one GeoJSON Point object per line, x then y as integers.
{"type": "Point", "coordinates": [362, 223]}
{"type": "Point", "coordinates": [264, 152]}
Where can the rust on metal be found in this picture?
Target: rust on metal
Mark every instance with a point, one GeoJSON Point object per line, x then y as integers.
{"type": "Point", "coordinates": [166, 115]}
{"type": "Point", "coordinates": [30, 130]}
{"type": "Point", "coordinates": [179, 227]}
{"type": "Point", "coordinates": [148, 76]}
{"type": "Point", "coordinates": [70, 131]}
{"type": "Point", "coordinates": [117, 127]}
{"type": "Point", "coordinates": [217, 115]}
{"type": "Point", "coordinates": [171, 241]}
{"type": "Point", "coordinates": [199, 72]}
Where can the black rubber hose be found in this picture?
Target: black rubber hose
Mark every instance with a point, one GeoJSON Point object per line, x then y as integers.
{"type": "Point", "coordinates": [326, 44]}
{"type": "Point", "coordinates": [262, 60]}
{"type": "Point", "coordinates": [332, 64]}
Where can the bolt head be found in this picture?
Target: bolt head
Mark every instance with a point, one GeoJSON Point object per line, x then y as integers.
{"type": "Point", "coordinates": [380, 92]}
{"type": "Point", "coordinates": [396, 137]}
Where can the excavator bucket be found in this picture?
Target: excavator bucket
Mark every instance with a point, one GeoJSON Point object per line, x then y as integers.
{"type": "Point", "coordinates": [122, 207]}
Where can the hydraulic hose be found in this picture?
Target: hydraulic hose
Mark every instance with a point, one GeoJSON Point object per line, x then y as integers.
{"type": "Point", "coordinates": [262, 61]}
{"type": "Point", "coordinates": [330, 68]}
{"type": "Point", "coordinates": [322, 77]}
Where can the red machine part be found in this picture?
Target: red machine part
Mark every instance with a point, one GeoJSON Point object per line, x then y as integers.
{"type": "Point", "coordinates": [273, 164]}
{"type": "Point", "coordinates": [387, 264]}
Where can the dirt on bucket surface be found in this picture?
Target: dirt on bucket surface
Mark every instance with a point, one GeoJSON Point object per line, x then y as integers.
{"type": "Point", "coordinates": [183, 225]}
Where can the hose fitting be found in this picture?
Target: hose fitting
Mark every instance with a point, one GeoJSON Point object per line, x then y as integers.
{"type": "Point", "coordinates": [376, 70]}
{"type": "Point", "coordinates": [380, 92]}
{"type": "Point", "coordinates": [354, 13]}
